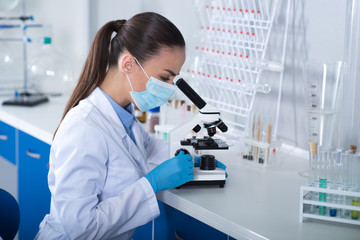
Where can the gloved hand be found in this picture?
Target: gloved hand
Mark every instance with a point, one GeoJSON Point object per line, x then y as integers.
{"type": "Point", "coordinates": [171, 173]}
{"type": "Point", "coordinates": [217, 164]}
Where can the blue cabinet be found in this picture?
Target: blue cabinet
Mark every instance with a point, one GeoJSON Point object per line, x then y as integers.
{"type": "Point", "coordinates": [8, 166]}
{"type": "Point", "coordinates": [34, 193]}
{"type": "Point", "coordinates": [7, 142]}
{"type": "Point", "coordinates": [143, 232]}
{"type": "Point", "coordinates": [174, 224]}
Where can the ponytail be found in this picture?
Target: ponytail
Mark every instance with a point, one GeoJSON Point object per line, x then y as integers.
{"type": "Point", "coordinates": [94, 70]}
{"type": "Point", "coordinates": [143, 36]}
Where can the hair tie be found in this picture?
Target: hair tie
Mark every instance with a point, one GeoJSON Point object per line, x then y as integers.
{"type": "Point", "coordinates": [118, 25]}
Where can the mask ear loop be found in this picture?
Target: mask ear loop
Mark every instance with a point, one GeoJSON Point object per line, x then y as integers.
{"type": "Point", "coordinates": [141, 67]}
{"type": "Point", "coordinates": [129, 82]}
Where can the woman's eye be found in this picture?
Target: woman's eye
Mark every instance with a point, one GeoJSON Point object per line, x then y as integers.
{"type": "Point", "coordinates": [164, 79]}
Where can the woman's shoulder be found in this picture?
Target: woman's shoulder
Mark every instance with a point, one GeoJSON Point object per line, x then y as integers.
{"type": "Point", "coordinates": [81, 120]}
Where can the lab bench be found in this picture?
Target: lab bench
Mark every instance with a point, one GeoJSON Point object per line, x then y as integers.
{"type": "Point", "coordinates": [254, 204]}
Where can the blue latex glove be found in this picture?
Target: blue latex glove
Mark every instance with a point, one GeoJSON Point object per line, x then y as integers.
{"type": "Point", "coordinates": [171, 173]}
{"type": "Point", "coordinates": [217, 164]}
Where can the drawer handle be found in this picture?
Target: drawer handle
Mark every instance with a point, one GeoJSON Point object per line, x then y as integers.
{"type": "Point", "coordinates": [33, 155]}
{"type": "Point", "coordinates": [177, 236]}
{"type": "Point", "coordinates": [3, 137]}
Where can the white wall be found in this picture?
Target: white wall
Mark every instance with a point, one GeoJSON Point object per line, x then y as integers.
{"type": "Point", "coordinates": [181, 13]}
{"type": "Point", "coordinates": [69, 27]}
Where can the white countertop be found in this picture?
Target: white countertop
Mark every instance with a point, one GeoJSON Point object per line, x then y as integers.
{"type": "Point", "coordinates": [254, 204]}
{"type": "Point", "coordinates": [257, 203]}
{"type": "Point", "coordinates": [39, 121]}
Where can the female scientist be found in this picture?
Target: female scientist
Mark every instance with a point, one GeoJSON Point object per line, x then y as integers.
{"type": "Point", "coordinates": [101, 187]}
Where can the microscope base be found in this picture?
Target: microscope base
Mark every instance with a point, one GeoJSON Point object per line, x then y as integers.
{"type": "Point", "coordinates": [207, 177]}
{"type": "Point", "coordinates": [221, 183]}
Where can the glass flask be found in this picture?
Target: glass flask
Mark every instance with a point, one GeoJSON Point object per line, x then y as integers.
{"type": "Point", "coordinates": [50, 71]}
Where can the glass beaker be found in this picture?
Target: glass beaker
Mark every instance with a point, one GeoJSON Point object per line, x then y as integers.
{"type": "Point", "coordinates": [322, 89]}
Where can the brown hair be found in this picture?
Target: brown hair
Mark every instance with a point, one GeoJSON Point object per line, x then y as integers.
{"type": "Point", "coordinates": [143, 36]}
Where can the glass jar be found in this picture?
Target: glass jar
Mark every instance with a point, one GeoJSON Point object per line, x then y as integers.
{"type": "Point", "coordinates": [153, 117]}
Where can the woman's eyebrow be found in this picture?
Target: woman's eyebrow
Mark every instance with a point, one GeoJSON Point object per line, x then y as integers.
{"type": "Point", "coordinates": [171, 72]}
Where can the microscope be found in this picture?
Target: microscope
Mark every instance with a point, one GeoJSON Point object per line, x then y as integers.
{"type": "Point", "coordinates": [209, 118]}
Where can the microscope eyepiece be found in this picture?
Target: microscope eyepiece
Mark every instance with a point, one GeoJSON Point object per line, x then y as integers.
{"type": "Point", "coordinates": [190, 93]}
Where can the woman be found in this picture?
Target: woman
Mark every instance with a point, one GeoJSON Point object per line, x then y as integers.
{"type": "Point", "coordinates": [100, 184]}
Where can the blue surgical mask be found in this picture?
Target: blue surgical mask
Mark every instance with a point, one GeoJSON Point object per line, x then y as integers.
{"type": "Point", "coordinates": [156, 94]}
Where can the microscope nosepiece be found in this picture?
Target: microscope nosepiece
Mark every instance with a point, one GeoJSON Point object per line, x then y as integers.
{"type": "Point", "coordinates": [211, 131]}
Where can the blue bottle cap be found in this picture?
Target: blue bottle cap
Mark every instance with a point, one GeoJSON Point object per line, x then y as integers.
{"type": "Point", "coordinates": [157, 109]}
{"type": "Point", "coordinates": [47, 40]}
{"type": "Point", "coordinates": [333, 212]}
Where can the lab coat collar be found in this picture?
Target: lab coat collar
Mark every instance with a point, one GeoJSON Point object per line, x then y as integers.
{"type": "Point", "coordinates": [126, 114]}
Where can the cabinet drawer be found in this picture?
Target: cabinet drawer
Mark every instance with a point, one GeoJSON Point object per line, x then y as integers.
{"type": "Point", "coordinates": [7, 142]}
{"type": "Point", "coordinates": [34, 193]}
{"type": "Point", "coordinates": [172, 221]}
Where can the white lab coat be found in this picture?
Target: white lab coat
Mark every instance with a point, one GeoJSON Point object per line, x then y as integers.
{"type": "Point", "coordinates": [96, 176]}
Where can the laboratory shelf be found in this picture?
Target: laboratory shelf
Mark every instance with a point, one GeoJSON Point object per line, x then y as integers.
{"type": "Point", "coordinates": [333, 219]}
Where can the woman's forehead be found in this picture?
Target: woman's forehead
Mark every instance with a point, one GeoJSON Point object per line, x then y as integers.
{"type": "Point", "coordinates": [168, 58]}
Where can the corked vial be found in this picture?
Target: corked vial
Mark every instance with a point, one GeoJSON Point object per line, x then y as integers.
{"type": "Point", "coordinates": [353, 149]}
{"type": "Point", "coordinates": [313, 148]}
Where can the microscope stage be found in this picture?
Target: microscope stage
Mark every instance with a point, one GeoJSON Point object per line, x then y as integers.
{"type": "Point", "coordinates": [205, 143]}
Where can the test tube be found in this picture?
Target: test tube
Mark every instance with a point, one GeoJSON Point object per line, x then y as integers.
{"type": "Point", "coordinates": [323, 179]}
{"type": "Point", "coordinates": [347, 185]}
{"type": "Point", "coordinates": [268, 139]}
{"type": "Point", "coordinates": [354, 213]}
{"type": "Point", "coordinates": [336, 178]}
{"type": "Point", "coordinates": [313, 163]}
{"type": "Point", "coordinates": [345, 182]}
{"type": "Point", "coordinates": [356, 184]}
{"type": "Point", "coordinates": [249, 153]}
{"type": "Point", "coordinates": [257, 137]}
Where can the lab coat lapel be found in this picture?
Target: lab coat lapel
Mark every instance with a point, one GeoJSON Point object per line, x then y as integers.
{"type": "Point", "coordinates": [104, 107]}
{"type": "Point", "coordinates": [138, 134]}
{"type": "Point", "coordinates": [133, 152]}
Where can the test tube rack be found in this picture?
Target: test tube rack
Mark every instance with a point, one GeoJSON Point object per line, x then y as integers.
{"type": "Point", "coordinates": [230, 56]}
{"type": "Point", "coordinates": [263, 154]}
{"type": "Point", "coordinates": [307, 202]}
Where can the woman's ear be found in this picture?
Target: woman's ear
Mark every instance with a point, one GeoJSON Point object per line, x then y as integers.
{"type": "Point", "coordinates": [126, 63]}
